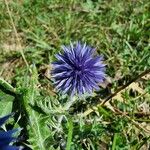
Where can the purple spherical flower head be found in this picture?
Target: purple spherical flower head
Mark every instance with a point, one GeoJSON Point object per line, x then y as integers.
{"type": "Point", "coordinates": [77, 70]}
{"type": "Point", "coordinates": [6, 137]}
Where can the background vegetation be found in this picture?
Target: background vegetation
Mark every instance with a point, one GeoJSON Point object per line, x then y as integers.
{"type": "Point", "coordinates": [32, 32]}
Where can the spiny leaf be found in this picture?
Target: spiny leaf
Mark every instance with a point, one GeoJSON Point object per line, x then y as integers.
{"type": "Point", "coordinates": [38, 130]}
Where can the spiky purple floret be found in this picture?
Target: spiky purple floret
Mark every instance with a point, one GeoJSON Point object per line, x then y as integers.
{"type": "Point", "coordinates": [77, 70]}
{"type": "Point", "coordinates": [6, 137]}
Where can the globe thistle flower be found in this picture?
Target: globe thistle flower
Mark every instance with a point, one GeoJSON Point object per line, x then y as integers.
{"type": "Point", "coordinates": [77, 70]}
{"type": "Point", "coordinates": [6, 137]}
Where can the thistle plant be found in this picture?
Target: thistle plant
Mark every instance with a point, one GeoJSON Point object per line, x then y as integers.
{"type": "Point", "coordinates": [6, 137]}
{"type": "Point", "coordinates": [77, 71]}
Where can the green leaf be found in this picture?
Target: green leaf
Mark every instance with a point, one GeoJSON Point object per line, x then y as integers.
{"type": "Point", "coordinates": [6, 100]}
{"type": "Point", "coordinates": [38, 130]}
{"type": "Point", "coordinates": [5, 107]}
{"type": "Point", "coordinates": [5, 97]}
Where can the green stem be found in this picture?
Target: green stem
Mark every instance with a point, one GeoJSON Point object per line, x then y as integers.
{"type": "Point", "coordinates": [67, 106]}
{"type": "Point", "coordinates": [70, 131]}
{"type": "Point", "coordinates": [7, 86]}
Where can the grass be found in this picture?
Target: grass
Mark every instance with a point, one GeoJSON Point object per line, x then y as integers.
{"type": "Point", "coordinates": [32, 32]}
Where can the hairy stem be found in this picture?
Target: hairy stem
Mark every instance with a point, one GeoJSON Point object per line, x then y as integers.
{"type": "Point", "coordinates": [67, 106]}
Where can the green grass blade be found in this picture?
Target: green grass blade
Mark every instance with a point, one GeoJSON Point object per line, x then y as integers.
{"type": "Point", "coordinates": [114, 141]}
